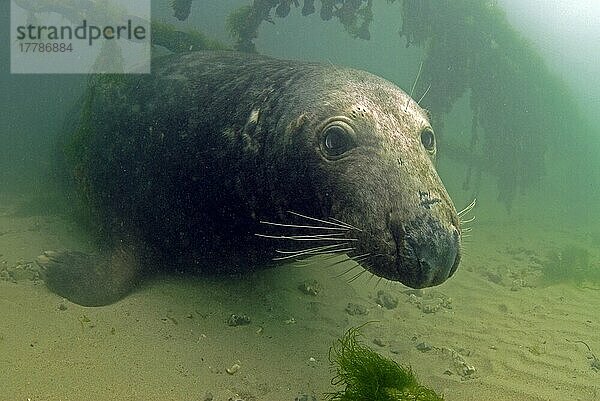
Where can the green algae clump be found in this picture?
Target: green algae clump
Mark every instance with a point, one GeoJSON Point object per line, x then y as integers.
{"type": "Point", "coordinates": [369, 376]}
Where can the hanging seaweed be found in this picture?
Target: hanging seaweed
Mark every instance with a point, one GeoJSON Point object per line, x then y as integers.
{"type": "Point", "coordinates": [243, 23]}
{"type": "Point", "coordinates": [178, 40]}
{"type": "Point", "coordinates": [181, 9]}
{"type": "Point", "coordinates": [518, 105]}
{"type": "Point", "coordinates": [519, 108]}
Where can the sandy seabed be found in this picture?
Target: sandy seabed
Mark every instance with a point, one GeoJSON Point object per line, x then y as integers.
{"type": "Point", "coordinates": [489, 333]}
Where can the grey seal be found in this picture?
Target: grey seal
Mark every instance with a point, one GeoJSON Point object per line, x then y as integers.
{"type": "Point", "coordinates": [223, 161]}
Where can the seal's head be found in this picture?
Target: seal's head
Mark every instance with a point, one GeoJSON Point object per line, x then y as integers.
{"type": "Point", "coordinates": [360, 154]}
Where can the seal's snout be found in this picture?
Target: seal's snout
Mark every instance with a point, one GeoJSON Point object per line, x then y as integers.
{"type": "Point", "coordinates": [427, 252]}
{"type": "Point", "coordinates": [440, 260]}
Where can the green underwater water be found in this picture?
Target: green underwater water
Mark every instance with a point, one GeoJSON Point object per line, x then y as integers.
{"type": "Point", "coordinates": [532, 161]}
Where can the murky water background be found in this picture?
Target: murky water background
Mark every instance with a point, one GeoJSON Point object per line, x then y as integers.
{"type": "Point", "coordinates": [522, 333]}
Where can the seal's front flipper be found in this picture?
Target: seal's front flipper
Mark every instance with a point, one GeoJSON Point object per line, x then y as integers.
{"type": "Point", "coordinates": [88, 279]}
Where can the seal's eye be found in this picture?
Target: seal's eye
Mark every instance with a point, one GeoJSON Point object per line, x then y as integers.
{"type": "Point", "coordinates": [428, 139]}
{"type": "Point", "coordinates": [337, 139]}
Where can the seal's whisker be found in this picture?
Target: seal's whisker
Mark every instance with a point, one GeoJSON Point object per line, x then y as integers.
{"type": "Point", "coordinates": [413, 86]}
{"type": "Point", "coordinates": [346, 224]}
{"type": "Point", "coordinates": [320, 250]}
{"type": "Point", "coordinates": [359, 257]}
{"type": "Point", "coordinates": [305, 237]}
{"type": "Point", "coordinates": [315, 219]}
{"type": "Point", "coordinates": [323, 235]}
{"type": "Point", "coordinates": [323, 256]}
{"type": "Point", "coordinates": [424, 94]}
{"type": "Point", "coordinates": [467, 221]}
{"type": "Point", "coordinates": [316, 236]}
{"type": "Point", "coordinates": [317, 248]}
{"type": "Point", "coordinates": [378, 281]}
{"type": "Point", "coordinates": [468, 208]}
{"type": "Point", "coordinates": [303, 226]}
{"type": "Point", "coordinates": [467, 229]}
{"type": "Point", "coordinates": [336, 251]}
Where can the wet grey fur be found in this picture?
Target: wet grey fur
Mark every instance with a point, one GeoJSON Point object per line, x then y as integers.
{"type": "Point", "coordinates": [190, 159]}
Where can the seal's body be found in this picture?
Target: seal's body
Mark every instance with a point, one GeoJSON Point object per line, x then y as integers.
{"type": "Point", "coordinates": [225, 160]}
